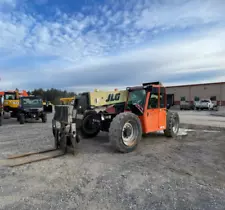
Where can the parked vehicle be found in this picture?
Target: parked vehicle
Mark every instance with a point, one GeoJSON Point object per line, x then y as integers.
{"type": "Point", "coordinates": [186, 105]}
{"type": "Point", "coordinates": [31, 107]}
{"type": "Point", "coordinates": [205, 104]}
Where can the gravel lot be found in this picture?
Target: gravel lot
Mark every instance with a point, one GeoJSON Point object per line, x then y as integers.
{"type": "Point", "coordinates": [183, 173]}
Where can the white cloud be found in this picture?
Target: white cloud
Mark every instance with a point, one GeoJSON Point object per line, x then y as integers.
{"type": "Point", "coordinates": [11, 3]}
{"type": "Point", "coordinates": [119, 47]}
{"type": "Point", "coordinates": [181, 14]}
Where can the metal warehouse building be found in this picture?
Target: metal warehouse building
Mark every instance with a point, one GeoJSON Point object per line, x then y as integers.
{"type": "Point", "coordinates": [194, 92]}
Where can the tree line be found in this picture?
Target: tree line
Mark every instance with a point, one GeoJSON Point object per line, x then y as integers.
{"type": "Point", "coordinates": [53, 95]}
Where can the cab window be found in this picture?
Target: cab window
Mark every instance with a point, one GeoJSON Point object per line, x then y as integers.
{"type": "Point", "coordinates": [162, 97]}
{"type": "Point", "coordinates": [137, 97]}
{"type": "Point", "coordinates": [153, 100]}
{"type": "Point", "coordinates": [10, 96]}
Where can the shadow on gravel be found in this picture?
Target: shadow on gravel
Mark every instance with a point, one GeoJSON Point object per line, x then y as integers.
{"type": "Point", "coordinates": [101, 143]}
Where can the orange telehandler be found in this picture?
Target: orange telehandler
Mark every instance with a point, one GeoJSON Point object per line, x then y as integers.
{"type": "Point", "coordinates": [125, 115]}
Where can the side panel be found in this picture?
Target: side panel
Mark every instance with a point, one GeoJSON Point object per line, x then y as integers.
{"type": "Point", "coordinates": [162, 119]}
{"type": "Point", "coordinates": [102, 98]}
{"type": "Point", "coordinates": [11, 103]}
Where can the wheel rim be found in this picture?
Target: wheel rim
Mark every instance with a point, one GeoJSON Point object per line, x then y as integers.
{"type": "Point", "coordinates": [175, 125]}
{"type": "Point", "coordinates": [129, 133]}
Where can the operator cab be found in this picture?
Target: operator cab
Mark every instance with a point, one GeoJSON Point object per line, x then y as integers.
{"type": "Point", "coordinates": [137, 98]}
{"type": "Point", "coordinates": [148, 102]}
{"type": "Point", "coordinates": [10, 96]}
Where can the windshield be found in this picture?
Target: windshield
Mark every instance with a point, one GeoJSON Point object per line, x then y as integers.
{"type": "Point", "coordinates": [10, 96]}
{"type": "Point", "coordinates": [34, 102]}
{"type": "Point", "coordinates": [137, 97]}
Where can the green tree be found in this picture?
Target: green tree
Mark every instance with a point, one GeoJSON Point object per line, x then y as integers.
{"type": "Point", "coordinates": [53, 95]}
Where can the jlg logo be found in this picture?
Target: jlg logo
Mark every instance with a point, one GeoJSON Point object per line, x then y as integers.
{"type": "Point", "coordinates": [113, 97]}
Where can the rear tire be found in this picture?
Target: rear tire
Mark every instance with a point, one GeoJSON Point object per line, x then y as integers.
{"type": "Point", "coordinates": [22, 119]}
{"type": "Point", "coordinates": [87, 128]}
{"type": "Point", "coordinates": [7, 115]}
{"type": "Point", "coordinates": [125, 132]}
{"type": "Point", "coordinates": [172, 124]}
{"type": "Point", "coordinates": [44, 118]}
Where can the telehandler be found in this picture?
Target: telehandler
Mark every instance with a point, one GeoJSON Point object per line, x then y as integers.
{"type": "Point", "coordinates": [124, 114]}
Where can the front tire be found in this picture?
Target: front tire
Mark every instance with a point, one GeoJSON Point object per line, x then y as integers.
{"type": "Point", "coordinates": [125, 132]}
{"type": "Point", "coordinates": [88, 129]}
{"type": "Point", "coordinates": [22, 119]}
{"type": "Point", "coordinates": [172, 124]}
{"type": "Point", "coordinates": [44, 118]}
{"type": "Point", "coordinates": [7, 115]}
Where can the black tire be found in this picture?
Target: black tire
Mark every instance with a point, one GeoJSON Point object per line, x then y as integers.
{"type": "Point", "coordinates": [116, 135]}
{"type": "Point", "coordinates": [44, 118]}
{"type": "Point", "coordinates": [7, 115]}
{"type": "Point", "coordinates": [1, 119]}
{"type": "Point", "coordinates": [22, 119]}
{"type": "Point", "coordinates": [87, 128]}
{"type": "Point", "coordinates": [18, 117]}
{"type": "Point", "coordinates": [172, 124]}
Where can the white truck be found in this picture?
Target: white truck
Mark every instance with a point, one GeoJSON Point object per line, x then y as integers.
{"type": "Point", "coordinates": [205, 104]}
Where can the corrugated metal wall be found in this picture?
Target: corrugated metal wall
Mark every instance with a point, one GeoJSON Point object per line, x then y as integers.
{"type": "Point", "coordinates": [201, 91]}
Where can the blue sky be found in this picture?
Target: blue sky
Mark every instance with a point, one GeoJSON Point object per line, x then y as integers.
{"type": "Point", "coordinates": [82, 45]}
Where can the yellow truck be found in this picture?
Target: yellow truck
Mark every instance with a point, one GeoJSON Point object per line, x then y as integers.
{"type": "Point", "coordinates": [11, 101]}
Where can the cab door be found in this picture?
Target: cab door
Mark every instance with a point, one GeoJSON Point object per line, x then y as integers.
{"type": "Point", "coordinates": [151, 112]}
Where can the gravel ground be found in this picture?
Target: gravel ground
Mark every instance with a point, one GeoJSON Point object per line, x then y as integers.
{"type": "Point", "coordinates": [183, 173]}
